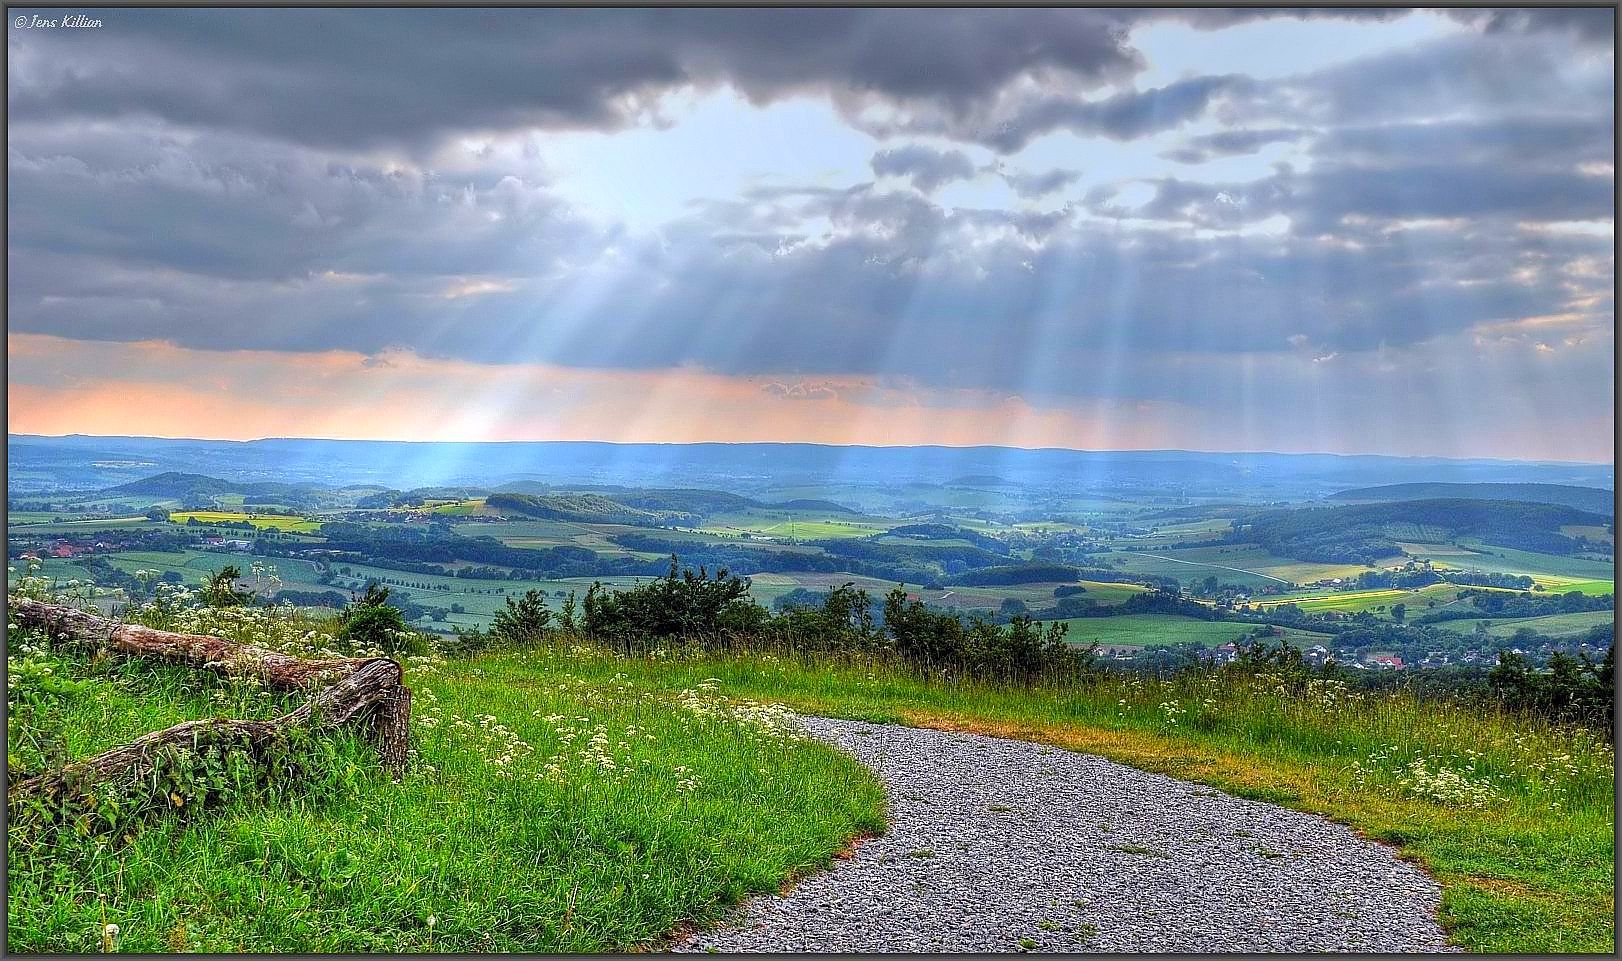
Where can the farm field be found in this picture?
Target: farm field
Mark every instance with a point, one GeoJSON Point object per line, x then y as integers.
{"type": "Point", "coordinates": [480, 598]}
{"type": "Point", "coordinates": [69, 527]}
{"type": "Point", "coordinates": [1588, 587]}
{"type": "Point", "coordinates": [195, 566]}
{"type": "Point", "coordinates": [1548, 569]}
{"type": "Point", "coordinates": [1554, 625]}
{"type": "Point", "coordinates": [1144, 629]}
{"type": "Point", "coordinates": [1434, 550]}
{"type": "Point", "coordinates": [276, 522]}
{"type": "Point", "coordinates": [1245, 564]}
{"type": "Point", "coordinates": [784, 524]}
{"type": "Point", "coordinates": [1352, 602]}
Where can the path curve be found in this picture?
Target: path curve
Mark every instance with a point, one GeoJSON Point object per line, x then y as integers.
{"type": "Point", "coordinates": [1001, 845]}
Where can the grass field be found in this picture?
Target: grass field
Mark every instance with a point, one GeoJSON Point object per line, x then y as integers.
{"type": "Point", "coordinates": [480, 598]}
{"type": "Point", "coordinates": [276, 522]}
{"type": "Point", "coordinates": [555, 806]}
{"type": "Point", "coordinates": [1137, 630]}
{"type": "Point", "coordinates": [803, 527]}
{"type": "Point", "coordinates": [1551, 570]}
{"type": "Point", "coordinates": [1418, 600]}
{"type": "Point", "coordinates": [89, 523]}
{"type": "Point", "coordinates": [1594, 588]}
{"type": "Point", "coordinates": [1554, 625]}
{"type": "Point", "coordinates": [1244, 564]}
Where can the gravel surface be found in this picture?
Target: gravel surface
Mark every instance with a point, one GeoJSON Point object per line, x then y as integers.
{"type": "Point", "coordinates": [999, 845]}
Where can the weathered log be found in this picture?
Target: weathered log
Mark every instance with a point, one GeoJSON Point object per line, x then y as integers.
{"type": "Point", "coordinates": [278, 670]}
{"type": "Point", "coordinates": [375, 684]}
{"type": "Point", "coordinates": [360, 690]}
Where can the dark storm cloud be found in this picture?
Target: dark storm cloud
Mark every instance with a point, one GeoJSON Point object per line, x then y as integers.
{"type": "Point", "coordinates": [1033, 185]}
{"type": "Point", "coordinates": [1500, 77]}
{"type": "Point", "coordinates": [231, 208]}
{"type": "Point", "coordinates": [1123, 116]}
{"type": "Point", "coordinates": [407, 78]}
{"type": "Point", "coordinates": [358, 77]}
{"type": "Point", "coordinates": [1595, 25]}
{"type": "Point", "coordinates": [1540, 142]}
{"type": "Point", "coordinates": [927, 168]}
{"type": "Point", "coordinates": [1231, 143]}
{"type": "Point", "coordinates": [1321, 199]}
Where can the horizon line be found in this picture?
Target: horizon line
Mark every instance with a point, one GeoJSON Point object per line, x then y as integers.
{"type": "Point", "coordinates": [787, 443]}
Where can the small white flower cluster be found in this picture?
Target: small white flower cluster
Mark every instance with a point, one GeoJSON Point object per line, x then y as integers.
{"type": "Point", "coordinates": [754, 717]}
{"type": "Point", "coordinates": [1444, 786]}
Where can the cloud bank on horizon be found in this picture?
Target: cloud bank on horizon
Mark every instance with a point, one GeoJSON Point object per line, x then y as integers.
{"type": "Point", "coordinates": [1342, 230]}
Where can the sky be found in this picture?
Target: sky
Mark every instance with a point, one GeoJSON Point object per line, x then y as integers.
{"type": "Point", "coordinates": [1346, 231]}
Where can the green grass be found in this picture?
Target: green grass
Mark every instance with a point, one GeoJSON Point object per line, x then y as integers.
{"type": "Point", "coordinates": [1592, 588]}
{"type": "Point", "coordinates": [1352, 602]}
{"type": "Point", "coordinates": [1143, 629]}
{"type": "Point", "coordinates": [1554, 625]}
{"type": "Point", "coordinates": [793, 526]}
{"type": "Point", "coordinates": [1551, 570]}
{"type": "Point", "coordinates": [1245, 564]}
{"type": "Point", "coordinates": [89, 524]}
{"type": "Point", "coordinates": [479, 597]}
{"type": "Point", "coordinates": [513, 830]}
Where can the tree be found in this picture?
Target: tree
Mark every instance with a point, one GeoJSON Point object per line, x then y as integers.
{"type": "Point", "coordinates": [373, 623]}
{"type": "Point", "coordinates": [1399, 612]}
{"type": "Point", "coordinates": [523, 622]}
{"type": "Point", "coordinates": [221, 589]}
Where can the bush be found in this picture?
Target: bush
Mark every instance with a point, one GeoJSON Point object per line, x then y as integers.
{"type": "Point", "coordinates": [1572, 689]}
{"type": "Point", "coordinates": [523, 622]}
{"type": "Point", "coordinates": [372, 623]}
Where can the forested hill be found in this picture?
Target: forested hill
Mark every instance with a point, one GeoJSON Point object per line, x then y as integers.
{"type": "Point", "coordinates": [200, 487]}
{"type": "Point", "coordinates": [585, 508]}
{"type": "Point", "coordinates": [1593, 499]}
{"type": "Point", "coordinates": [1362, 533]}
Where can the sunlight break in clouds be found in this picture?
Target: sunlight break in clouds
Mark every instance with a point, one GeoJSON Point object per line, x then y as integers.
{"type": "Point", "coordinates": [1215, 229]}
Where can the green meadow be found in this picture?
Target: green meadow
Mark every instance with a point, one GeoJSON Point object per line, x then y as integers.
{"type": "Point", "coordinates": [1554, 625]}
{"type": "Point", "coordinates": [554, 805]}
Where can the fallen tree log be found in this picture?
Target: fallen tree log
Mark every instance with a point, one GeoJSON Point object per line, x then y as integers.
{"type": "Point", "coordinates": [281, 671]}
{"type": "Point", "coordinates": [362, 691]}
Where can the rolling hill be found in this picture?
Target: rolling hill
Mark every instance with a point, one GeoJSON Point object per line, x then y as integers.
{"type": "Point", "coordinates": [1595, 500]}
{"type": "Point", "coordinates": [584, 508]}
{"type": "Point", "coordinates": [1363, 533]}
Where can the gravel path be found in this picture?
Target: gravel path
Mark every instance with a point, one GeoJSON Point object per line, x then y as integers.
{"type": "Point", "coordinates": [998, 845]}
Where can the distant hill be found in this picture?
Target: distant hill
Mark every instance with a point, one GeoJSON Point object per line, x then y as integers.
{"type": "Point", "coordinates": [1361, 533]}
{"type": "Point", "coordinates": [809, 504]}
{"type": "Point", "coordinates": [198, 488]}
{"type": "Point", "coordinates": [1592, 499]}
{"type": "Point", "coordinates": [948, 532]}
{"type": "Point", "coordinates": [686, 500]}
{"type": "Point", "coordinates": [584, 508]}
